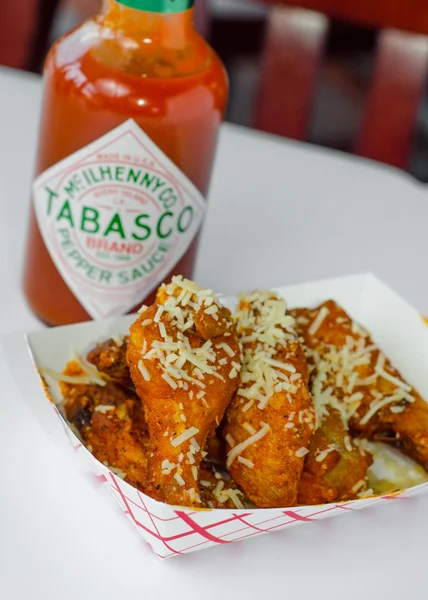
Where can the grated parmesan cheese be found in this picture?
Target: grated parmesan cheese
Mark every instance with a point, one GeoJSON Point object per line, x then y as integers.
{"type": "Point", "coordinates": [88, 368]}
{"type": "Point", "coordinates": [194, 446]}
{"type": "Point", "coordinates": [320, 455]}
{"type": "Point", "coordinates": [226, 348]}
{"type": "Point", "coordinates": [236, 450]}
{"type": "Point", "coordinates": [374, 407]}
{"type": "Point", "coordinates": [117, 472]}
{"type": "Point", "coordinates": [246, 462]}
{"type": "Point", "coordinates": [183, 437]}
{"type": "Point", "coordinates": [358, 486]}
{"type": "Point", "coordinates": [247, 406]}
{"type": "Point", "coordinates": [103, 408]}
{"type": "Point", "coordinates": [178, 478]}
{"type": "Point", "coordinates": [249, 428]}
{"type": "Point", "coordinates": [170, 381]}
{"type": "Point", "coordinates": [316, 324]}
{"type": "Point", "coordinates": [230, 440]}
{"type": "Point", "coordinates": [264, 329]}
{"type": "Point", "coordinates": [347, 442]}
{"type": "Point", "coordinates": [233, 495]}
{"type": "Point", "coordinates": [301, 452]}
{"type": "Point", "coordinates": [179, 362]}
{"type": "Point", "coordinates": [167, 467]}
{"type": "Point", "coordinates": [394, 380]}
{"type": "Point", "coordinates": [73, 379]}
{"type": "Point", "coordinates": [144, 372]}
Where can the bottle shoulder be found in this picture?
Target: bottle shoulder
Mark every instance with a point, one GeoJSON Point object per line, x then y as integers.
{"type": "Point", "coordinates": [112, 70]}
{"type": "Point", "coordinates": [144, 58]}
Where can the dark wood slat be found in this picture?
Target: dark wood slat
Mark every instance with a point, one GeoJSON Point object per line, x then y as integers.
{"type": "Point", "coordinates": [398, 83]}
{"type": "Point", "coordinates": [411, 15]}
{"type": "Point", "coordinates": [293, 49]}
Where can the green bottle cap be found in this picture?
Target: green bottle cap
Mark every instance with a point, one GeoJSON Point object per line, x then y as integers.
{"type": "Point", "coordinates": [159, 6]}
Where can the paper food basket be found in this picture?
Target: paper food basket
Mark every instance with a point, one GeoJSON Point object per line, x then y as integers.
{"type": "Point", "coordinates": [171, 530]}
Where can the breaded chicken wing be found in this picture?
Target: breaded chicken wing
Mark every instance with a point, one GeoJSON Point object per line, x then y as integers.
{"type": "Point", "coordinates": [109, 357]}
{"type": "Point", "coordinates": [111, 422]}
{"type": "Point", "coordinates": [184, 360]}
{"type": "Point", "coordinates": [354, 376]}
{"type": "Point", "coordinates": [271, 419]}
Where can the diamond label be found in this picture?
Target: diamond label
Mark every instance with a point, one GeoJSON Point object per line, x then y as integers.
{"type": "Point", "coordinates": [116, 216]}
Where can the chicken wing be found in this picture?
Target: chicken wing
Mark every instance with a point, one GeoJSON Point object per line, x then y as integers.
{"type": "Point", "coordinates": [109, 357]}
{"type": "Point", "coordinates": [354, 376]}
{"type": "Point", "coordinates": [184, 360]}
{"type": "Point", "coordinates": [111, 423]}
{"type": "Point", "coordinates": [271, 418]}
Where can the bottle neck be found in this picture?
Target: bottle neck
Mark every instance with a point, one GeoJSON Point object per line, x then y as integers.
{"type": "Point", "coordinates": [151, 21]}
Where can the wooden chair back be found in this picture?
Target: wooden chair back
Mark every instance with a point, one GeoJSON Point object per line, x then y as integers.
{"type": "Point", "coordinates": [294, 51]}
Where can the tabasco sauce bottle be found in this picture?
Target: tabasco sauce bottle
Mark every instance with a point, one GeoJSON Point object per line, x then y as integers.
{"type": "Point", "coordinates": [132, 107]}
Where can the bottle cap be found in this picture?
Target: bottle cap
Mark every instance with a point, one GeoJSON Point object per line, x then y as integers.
{"type": "Point", "coordinates": [159, 6]}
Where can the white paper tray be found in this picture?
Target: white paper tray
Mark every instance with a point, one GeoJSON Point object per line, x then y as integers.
{"type": "Point", "coordinates": [171, 531]}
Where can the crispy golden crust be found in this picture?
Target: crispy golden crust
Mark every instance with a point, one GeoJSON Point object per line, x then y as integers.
{"type": "Point", "coordinates": [116, 436]}
{"type": "Point", "coordinates": [119, 438]}
{"type": "Point", "coordinates": [268, 471]}
{"type": "Point", "coordinates": [401, 422]}
{"type": "Point", "coordinates": [110, 359]}
{"type": "Point", "coordinates": [171, 411]}
{"type": "Point", "coordinates": [335, 469]}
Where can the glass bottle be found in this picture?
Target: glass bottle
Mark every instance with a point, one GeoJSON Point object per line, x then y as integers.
{"type": "Point", "coordinates": [133, 99]}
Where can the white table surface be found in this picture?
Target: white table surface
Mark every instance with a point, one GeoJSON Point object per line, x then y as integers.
{"type": "Point", "coordinates": [280, 212]}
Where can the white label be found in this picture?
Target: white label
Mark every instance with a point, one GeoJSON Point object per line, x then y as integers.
{"type": "Point", "coordinates": [116, 216]}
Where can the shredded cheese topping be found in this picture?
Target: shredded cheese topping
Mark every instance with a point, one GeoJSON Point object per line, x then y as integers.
{"type": "Point", "coordinates": [86, 379]}
{"type": "Point", "coordinates": [236, 450]}
{"type": "Point", "coordinates": [175, 356]}
{"type": "Point", "coordinates": [264, 328]}
{"type": "Point", "coordinates": [335, 379]}
{"type": "Point", "coordinates": [183, 437]}
{"type": "Point", "coordinates": [301, 452]}
{"type": "Point", "coordinates": [321, 455]}
{"type": "Point", "coordinates": [222, 495]}
{"type": "Point", "coordinates": [104, 408]}
{"type": "Point", "coordinates": [246, 462]}
{"type": "Point", "coordinates": [316, 324]}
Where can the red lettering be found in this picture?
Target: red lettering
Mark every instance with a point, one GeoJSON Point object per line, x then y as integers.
{"type": "Point", "coordinates": [95, 243]}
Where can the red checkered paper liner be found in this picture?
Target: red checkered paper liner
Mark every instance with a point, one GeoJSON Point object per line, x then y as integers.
{"type": "Point", "coordinates": [172, 530]}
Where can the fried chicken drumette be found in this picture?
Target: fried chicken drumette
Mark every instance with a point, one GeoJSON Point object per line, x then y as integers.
{"type": "Point", "coordinates": [184, 360]}
{"type": "Point", "coordinates": [271, 418]}
{"type": "Point", "coordinates": [110, 421]}
{"type": "Point", "coordinates": [353, 375]}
